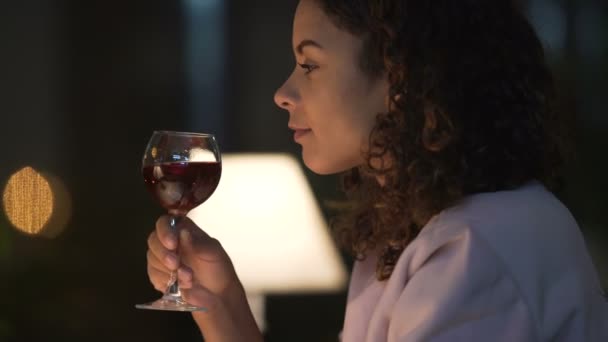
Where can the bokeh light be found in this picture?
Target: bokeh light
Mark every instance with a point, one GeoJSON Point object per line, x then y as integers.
{"type": "Point", "coordinates": [28, 200]}
{"type": "Point", "coordinates": [36, 203]}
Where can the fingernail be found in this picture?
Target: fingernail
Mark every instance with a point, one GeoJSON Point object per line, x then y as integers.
{"type": "Point", "coordinates": [184, 235]}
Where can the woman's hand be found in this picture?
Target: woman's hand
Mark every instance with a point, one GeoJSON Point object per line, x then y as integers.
{"type": "Point", "coordinates": [206, 278]}
{"type": "Point", "coordinates": [200, 258]}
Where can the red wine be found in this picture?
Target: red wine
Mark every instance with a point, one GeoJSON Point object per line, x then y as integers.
{"type": "Point", "coordinates": [181, 186]}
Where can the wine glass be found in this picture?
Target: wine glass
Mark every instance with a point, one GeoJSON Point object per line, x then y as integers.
{"type": "Point", "coordinates": [181, 170]}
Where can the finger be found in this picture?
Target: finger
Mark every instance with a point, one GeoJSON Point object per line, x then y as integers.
{"type": "Point", "coordinates": [167, 257]}
{"type": "Point", "coordinates": [155, 262]}
{"type": "Point", "coordinates": [166, 233]}
{"type": "Point", "coordinates": [159, 278]}
{"type": "Point", "coordinates": [196, 243]}
{"type": "Point", "coordinates": [184, 276]}
{"type": "Point", "coordinates": [196, 231]}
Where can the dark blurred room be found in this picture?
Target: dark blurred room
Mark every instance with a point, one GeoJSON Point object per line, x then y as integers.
{"type": "Point", "coordinates": [84, 83]}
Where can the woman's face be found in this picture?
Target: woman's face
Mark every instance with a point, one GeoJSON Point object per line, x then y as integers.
{"type": "Point", "coordinates": [332, 104]}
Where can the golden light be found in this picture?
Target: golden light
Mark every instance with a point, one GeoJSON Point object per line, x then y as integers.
{"type": "Point", "coordinates": [28, 200]}
{"type": "Point", "coordinates": [35, 203]}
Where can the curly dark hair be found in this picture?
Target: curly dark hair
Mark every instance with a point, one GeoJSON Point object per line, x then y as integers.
{"type": "Point", "coordinates": [470, 111]}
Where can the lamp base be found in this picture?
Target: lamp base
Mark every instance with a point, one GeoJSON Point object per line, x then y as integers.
{"type": "Point", "coordinates": [257, 303]}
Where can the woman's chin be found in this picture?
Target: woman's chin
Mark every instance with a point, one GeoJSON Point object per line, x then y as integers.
{"type": "Point", "coordinates": [324, 167]}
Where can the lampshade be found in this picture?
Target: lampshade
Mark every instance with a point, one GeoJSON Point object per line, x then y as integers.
{"type": "Point", "coordinates": [266, 217]}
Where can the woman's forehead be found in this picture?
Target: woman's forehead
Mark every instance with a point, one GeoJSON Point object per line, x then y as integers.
{"type": "Point", "coordinates": [311, 23]}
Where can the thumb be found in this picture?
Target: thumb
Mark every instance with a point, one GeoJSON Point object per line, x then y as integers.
{"type": "Point", "coordinates": [187, 250]}
{"type": "Point", "coordinates": [185, 240]}
{"type": "Point", "coordinates": [194, 243]}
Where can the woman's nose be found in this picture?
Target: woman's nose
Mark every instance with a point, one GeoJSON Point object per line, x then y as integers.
{"type": "Point", "coordinates": [286, 97]}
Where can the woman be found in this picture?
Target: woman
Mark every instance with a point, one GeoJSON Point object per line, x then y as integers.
{"type": "Point", "coordinates": [439, 114]}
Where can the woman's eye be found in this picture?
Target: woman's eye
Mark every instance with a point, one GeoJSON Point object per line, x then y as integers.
{"type": "Point", "coordinates": [308, 67]}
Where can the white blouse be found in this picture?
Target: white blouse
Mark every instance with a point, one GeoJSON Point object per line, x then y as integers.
{"type": "Point", "coordinates": [503, 266]}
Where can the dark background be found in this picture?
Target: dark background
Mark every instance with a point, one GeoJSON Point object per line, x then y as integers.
{"type": "Point", "coordinates": [83, 84]}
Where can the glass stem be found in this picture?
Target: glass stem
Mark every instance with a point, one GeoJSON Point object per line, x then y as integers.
{"type": "Point", "coordinates": [173, 289]}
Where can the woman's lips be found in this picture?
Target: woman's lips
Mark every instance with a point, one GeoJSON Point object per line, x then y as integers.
{"type": "Point", "coordinates": [299, 133]}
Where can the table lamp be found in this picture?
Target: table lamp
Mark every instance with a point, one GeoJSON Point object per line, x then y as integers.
{"type": "Point", "coordinates": [266, 217]}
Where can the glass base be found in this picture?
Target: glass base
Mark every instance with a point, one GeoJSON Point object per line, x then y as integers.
{"type": "Point", "coordinates": [170, 303]}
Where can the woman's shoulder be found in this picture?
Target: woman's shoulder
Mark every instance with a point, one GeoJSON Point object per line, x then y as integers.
{"type": "Point", "coordinates": [527, 227]}
{"type": "Point", "coordinates": [528, 230]}
{"type": "Point", "coordinates": [513, 218]}
{"type": "Point", "coordinates": [525, 235]}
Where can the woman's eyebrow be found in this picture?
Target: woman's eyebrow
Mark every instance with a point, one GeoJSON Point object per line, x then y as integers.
{"type": "Point", "coordinates": [306, 43]}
